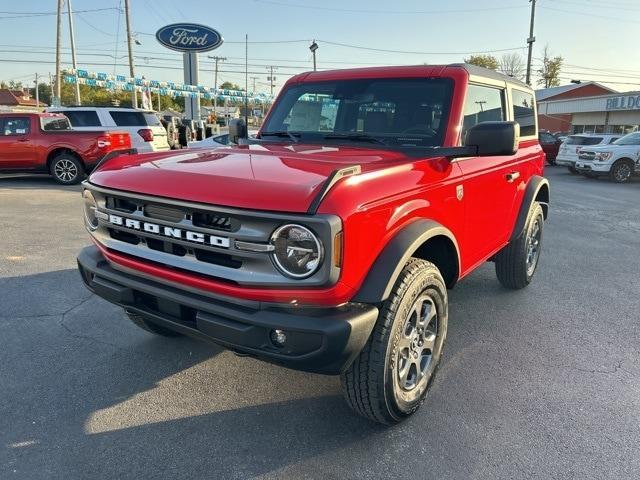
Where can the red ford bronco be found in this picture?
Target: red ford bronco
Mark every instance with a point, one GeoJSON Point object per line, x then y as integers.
{"type": "Point", "coordinates": [327, 244]}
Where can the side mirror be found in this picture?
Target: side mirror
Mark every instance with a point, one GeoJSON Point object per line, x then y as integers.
{"type": "Point", "coordinates": [494, 138]}
{"type": "Point", "coordinates": [237, 130]}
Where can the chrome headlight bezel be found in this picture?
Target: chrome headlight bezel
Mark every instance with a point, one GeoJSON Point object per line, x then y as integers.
{"type": "Point", "coordinates": [278, 262]}
{"type": "Point", "coordinates": [90, 209]}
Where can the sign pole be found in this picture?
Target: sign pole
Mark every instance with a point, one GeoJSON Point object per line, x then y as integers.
{"type": "Point", "coordinates": [191, 104]}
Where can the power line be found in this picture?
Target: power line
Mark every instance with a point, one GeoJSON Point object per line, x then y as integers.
{"type": "Point", "coordinates": [359, 47]}
{"type": "Point", "coordinates": [48, 14]}
{"type": "Point", "coordinates": [387, 12]}
{"type": "Point", "coordinates": [574, 12]}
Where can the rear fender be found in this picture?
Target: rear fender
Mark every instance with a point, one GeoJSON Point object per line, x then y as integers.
{"type": "Point", "coordinates": [538, 190]}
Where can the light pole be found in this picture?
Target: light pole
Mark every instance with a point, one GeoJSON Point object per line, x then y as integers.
{"type": "Point", "coordinates": [313, 47]}
{"type": "Point", "coordinates": [56, 98]}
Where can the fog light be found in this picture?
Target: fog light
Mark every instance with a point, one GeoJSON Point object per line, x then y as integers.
{"type": "Point", "coordinates": [278, 338]}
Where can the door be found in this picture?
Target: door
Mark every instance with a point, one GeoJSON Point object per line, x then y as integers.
{"type": "Point", "coordinates": [17, 151]}
{"type": "Point", "coordinates": [488, 183]}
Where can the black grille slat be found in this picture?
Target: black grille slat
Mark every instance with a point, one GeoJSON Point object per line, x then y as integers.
{"type": "Point", "coordinates": [167, 214]}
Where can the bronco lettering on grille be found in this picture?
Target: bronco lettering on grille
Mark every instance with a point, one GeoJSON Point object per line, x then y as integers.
{"type": "Point", "coordinates": [170, 232]}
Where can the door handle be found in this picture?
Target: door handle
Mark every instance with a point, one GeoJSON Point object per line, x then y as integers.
{"type": "Point", "coordinates": [513, 176]}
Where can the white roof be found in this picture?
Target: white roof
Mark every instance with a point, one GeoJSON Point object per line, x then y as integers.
{"type": "Point", "coordinates": [545, 93]}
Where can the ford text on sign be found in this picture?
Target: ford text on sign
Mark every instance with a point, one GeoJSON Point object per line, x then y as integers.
{"type": "Point", "coordinates": [189, 37]}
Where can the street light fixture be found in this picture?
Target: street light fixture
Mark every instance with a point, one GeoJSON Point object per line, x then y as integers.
{"type": "Point", "coordinates": [313, 47]}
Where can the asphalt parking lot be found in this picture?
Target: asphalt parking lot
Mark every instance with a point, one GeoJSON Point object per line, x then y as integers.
{"type": "Point", "coordinates": [540, 383]}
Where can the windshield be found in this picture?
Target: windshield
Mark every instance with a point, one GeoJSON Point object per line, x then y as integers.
{"type": "Point", "coordinates": [396, 112]}
{"type": "Point", "coordinates": [630, 139]}
{"type": "Point", "coordinates": [577, 140]}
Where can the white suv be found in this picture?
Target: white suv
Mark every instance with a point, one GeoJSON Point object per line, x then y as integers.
{"type": "Point", "coordinates": [570, 148]}
{"type": "Point", "coordinates": [144, 127]}
{"type": "Point", "coordinates": [618, 160]}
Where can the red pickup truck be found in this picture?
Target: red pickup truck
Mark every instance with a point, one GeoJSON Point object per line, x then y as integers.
{"type": "Point", "coordinates": [328, 243]}
{"type": "Point", "coordinates": [45, 143]}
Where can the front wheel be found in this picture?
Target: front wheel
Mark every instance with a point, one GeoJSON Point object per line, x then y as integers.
{"type": "Point", "coordinates": [621, 171]}
{"type": "Point", "coordinates": [573, 170]}
{"type": "Point", "coordinates": [517, 262]}
{"type": "Point", "coordinates": [390, 378]}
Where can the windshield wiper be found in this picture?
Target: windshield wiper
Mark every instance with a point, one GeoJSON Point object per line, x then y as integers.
{"type": "Point", "coordinates": [282, 133]}
{"type": "Point", "coordinates": [356, 137]}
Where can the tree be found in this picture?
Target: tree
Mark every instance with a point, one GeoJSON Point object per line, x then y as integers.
{"type": "Point", "coordinates": [486, 61]}
{"type": "Point", "coordinates": [230, 86]}
{"type": "Point", "coordinates": [550, 71]}
{"type": "Point", "coordinates": [511, 64]}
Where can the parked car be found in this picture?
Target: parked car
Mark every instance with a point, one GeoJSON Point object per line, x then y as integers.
{"type": "Point", "coordinates": [144, 127]}
{"type": "Point", "coordinates": [619, 160]}
{"type": "Point", "coordinates": [329, 243]}
{"type": "Point", "coordinates": [46, 143]}
{"type": "Point", "coordinates": [550, 145]}
{"type": "Point", "coordinates": [570, 148]}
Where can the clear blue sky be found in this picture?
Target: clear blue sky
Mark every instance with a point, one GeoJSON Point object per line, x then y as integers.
{"type": "Point", "coordinates": [597, 38]}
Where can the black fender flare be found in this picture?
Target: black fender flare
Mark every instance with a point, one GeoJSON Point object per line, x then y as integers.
{"type": "Point", "coordinates": [534, 187]}
{"type": "Point", "coordinates": [386, 268]}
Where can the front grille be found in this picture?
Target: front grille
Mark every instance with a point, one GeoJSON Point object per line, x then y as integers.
{"type": "Point", "coordinates": [587, 155]}
{"type": "Point", "coordinates": [204, 240]}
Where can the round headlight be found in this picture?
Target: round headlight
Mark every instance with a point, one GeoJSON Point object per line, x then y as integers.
{"type": "Point", "coordinates": [90, 207]}
{"type": "Point", "coordinates": [298, 252]}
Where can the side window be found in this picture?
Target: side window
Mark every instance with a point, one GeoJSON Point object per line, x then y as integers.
{"type": "Point", "coordinates": [16, 126]}
{"type": "Point", "coordinates": [82, 118]}
{"type": "Point", "coordinates": [128, 118]}
{"type": "Point", "coordinates": [613, 139]}
{"type": "Point", "coordinates": [483, 104]}
{"type": "Point", "coordinates": [523, 112]}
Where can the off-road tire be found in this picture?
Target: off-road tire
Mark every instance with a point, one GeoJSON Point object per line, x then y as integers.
{"type": "Point", "coordinates": [573, 170]}
{"type": "Point", "coordinates": [371, 384]}
{"type": "Point", "coordinates": [512, 268]}
{"type": "Point", "coordinates": [66, 169]}
{"type": "Point", "coordinates": [184, 136]}
{"type": "Point", "coordinates": [150, 326]}
{"type": "Point", "coordinates": [623, 165]}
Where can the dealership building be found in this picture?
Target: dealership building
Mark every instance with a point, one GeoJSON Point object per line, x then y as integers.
{"type": "Point", "coordinates": [588, 108]}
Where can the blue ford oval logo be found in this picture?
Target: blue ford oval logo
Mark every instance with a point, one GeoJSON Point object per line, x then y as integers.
{"type": "Point", "coordinates": [189, 37]}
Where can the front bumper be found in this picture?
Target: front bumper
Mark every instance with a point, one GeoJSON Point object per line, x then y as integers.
{"type": "Point", "coordinates": [323, 340]}
{"type": "Point", "coordinates": [595, 168]}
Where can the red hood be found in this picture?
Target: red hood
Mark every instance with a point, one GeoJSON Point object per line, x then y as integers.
{"type": "Point", "coordinates": [266, 177]}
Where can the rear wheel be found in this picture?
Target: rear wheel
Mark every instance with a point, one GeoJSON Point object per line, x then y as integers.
{"type": "Point", "coordinates": [390, 378]}
{"type": "Point", "coordinates": [150, 326]}
{"type": "Point", "coordinates": [66, 169]}
{"type": "Point", "coordinates": [517, 262]}
{"type": "Point", "coordinates": [621, 171]}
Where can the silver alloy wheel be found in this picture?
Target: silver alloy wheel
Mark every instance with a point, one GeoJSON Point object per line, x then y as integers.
{"type": "Point", "coordinates": [533, 247]}
{"type": "Point", "coordinates": [417, 353]}
{"type": "Point", "coordinates": [622, 172]}
{"type": "Point", "coordinates": [65, 170]}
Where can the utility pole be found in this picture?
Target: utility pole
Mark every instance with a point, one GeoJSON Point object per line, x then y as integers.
{"type": "Point", "coordinates": [215, 82]}
{"type": "Point", "coordinates": [127, 13]}
{"type": "Point", "coordinates": [530, 41]}
{"type": "Point", "coordinates": [271, 78]}
{"type": "Point", "coordinates": [56, 98]}
{"type": "Point", "coordinates": [37, 93]}
{"type": "Point", "coordinates": [254, 84]}
{"type": "Point", "coordinates": [73, 52]}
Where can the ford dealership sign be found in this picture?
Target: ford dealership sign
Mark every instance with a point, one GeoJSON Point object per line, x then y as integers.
{"type": "Point", "coordinates": [189, 37]}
